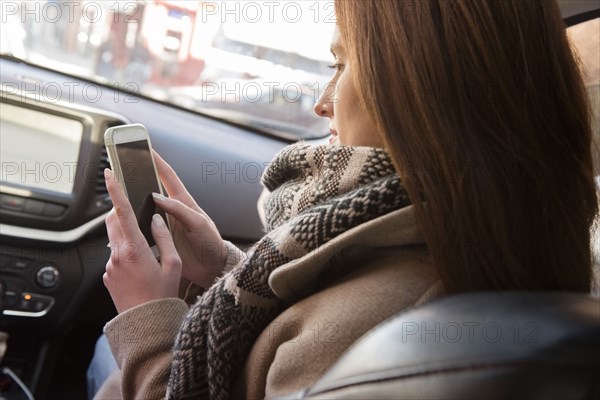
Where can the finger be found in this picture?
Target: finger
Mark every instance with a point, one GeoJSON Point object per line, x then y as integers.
{"type": "Point", "coordinates": [113, 229]}
{"type": "Point", "coordinates": [175, 188]}
{"type": "Point", "coordinates": [108, 271]}
{"type": "Point", "coordinates": [115, 236]}
{"type": "Point", "coordinates": [190, 218]}
{"type": "Point", "coordinates": [123, 211]}
{"type": "Point", "coordinates": [169, 257]}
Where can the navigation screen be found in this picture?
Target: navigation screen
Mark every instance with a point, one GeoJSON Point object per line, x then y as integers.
{"type": "Point", "coordinates": [37, 149]}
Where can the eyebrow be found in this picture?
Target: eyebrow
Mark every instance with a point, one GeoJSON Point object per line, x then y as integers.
{"type": "Point", "coordinates": [336, 47]}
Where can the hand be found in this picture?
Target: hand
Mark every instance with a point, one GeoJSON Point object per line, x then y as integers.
{"type": "Point", "coordinates": [202, 250]}
{"type": "Point", "coordinates": [133, 275]}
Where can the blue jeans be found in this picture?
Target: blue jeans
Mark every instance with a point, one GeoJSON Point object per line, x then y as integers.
{"type": "Point", "coordinates": [102, 365]}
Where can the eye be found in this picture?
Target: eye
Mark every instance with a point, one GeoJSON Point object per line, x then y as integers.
{"type": "Point", "coordinates": [337, 66]}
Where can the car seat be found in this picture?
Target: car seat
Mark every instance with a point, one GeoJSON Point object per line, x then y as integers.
{"type": "Point", "coordinates": [489, 345]}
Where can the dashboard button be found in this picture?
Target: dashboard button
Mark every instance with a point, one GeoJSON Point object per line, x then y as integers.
{"type": "Point", "coordinates": [19, 263]}
{"type": "Point", "coordinates": [47, 277]}
{"type": "Point", "coordinates": [29, 305]}
{"type": "Point", "coordinates": [12, 292]}
{"type": "Point", "coordinates": [34, 207]}
{"type": "Point", "coordinates": [9, 299]}
{"type": "Point", "coordinates": [53, 210]}
{"type": "Point", "coordinates": [40, 303]}
{"type": "Point", "coordinates": [24, 302]}
{"type": "Point", "coordinates": [10, 202]}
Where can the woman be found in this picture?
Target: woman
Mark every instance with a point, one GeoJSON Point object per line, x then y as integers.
{"type": "Point", "coordinates": [488, 120]}
{"type": "Point", "coordinates": [482, 108]}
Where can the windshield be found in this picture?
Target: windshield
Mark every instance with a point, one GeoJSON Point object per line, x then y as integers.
{"type": "Point", "coordinates": [258, 63]}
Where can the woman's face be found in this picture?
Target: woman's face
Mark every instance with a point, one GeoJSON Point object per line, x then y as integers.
{"type": "Point", "coordinates": [348, 121]}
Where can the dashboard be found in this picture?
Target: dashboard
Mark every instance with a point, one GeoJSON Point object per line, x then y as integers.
{"type": "Point", "coordinates": [51, 191]}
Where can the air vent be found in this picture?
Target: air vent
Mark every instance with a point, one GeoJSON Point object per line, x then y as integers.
{"type": "Point", "coordinates": [103, 163]}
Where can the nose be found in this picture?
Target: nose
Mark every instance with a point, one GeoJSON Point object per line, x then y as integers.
{"type": "Point", "coordinates": [324, 106]}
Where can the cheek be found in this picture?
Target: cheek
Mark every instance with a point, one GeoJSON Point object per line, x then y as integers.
{"type": "Point", "coordinates": [348, 98]}
{"type": "Point", "coordinates": [352, 120]}
{"type": "Point", "coordinates": [345, 102]}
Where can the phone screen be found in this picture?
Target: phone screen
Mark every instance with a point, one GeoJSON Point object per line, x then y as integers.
{"type": "Point", "coordinates": [140, 181]}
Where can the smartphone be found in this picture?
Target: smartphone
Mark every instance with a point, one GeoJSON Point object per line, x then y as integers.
{"type": "Point", "coordinates": [130, 155]}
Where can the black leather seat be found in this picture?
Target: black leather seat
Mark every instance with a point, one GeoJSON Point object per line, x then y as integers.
{"type": "Point", "coordinates": [509, 345]}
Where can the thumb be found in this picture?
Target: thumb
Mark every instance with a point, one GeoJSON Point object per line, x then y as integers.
{"type": "Point", "coordinates": [169, 258]}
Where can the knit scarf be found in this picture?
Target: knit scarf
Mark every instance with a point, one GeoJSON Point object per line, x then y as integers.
{"type": "Point", "coordinates": [317, 193]}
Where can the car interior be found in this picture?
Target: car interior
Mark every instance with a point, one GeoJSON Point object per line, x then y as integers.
{"type": "Point", "coordinates": [53, 202]}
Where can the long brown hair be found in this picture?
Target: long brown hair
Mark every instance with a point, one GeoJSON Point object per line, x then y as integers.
{"type": "Point", "coordinates": [483, 109]}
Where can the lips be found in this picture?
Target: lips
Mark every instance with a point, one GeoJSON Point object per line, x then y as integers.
{"type": "Point", "coordinates": [334, 136]}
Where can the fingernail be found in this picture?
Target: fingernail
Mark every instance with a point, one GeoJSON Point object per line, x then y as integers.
{"type": "Point", "coordinates": [158, 196]}
{"type": "Point", "coordinates": [107, 173]}
{"type": "Point", "coordinates": [157, 219]}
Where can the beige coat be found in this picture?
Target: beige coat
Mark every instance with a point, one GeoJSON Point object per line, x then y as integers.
{"type": "Point", "coordinates": [390, 271]}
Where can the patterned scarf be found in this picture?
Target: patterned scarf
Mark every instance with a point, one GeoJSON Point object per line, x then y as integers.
{"type": "Point", "coordinates": [317, 193]}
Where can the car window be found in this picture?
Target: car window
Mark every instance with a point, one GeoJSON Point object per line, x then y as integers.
{"type": "Point", "coordinates": [261, 63]}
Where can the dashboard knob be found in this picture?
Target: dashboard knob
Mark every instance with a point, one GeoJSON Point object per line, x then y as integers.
{"type": "Point", "coordinates": [47, 276]}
